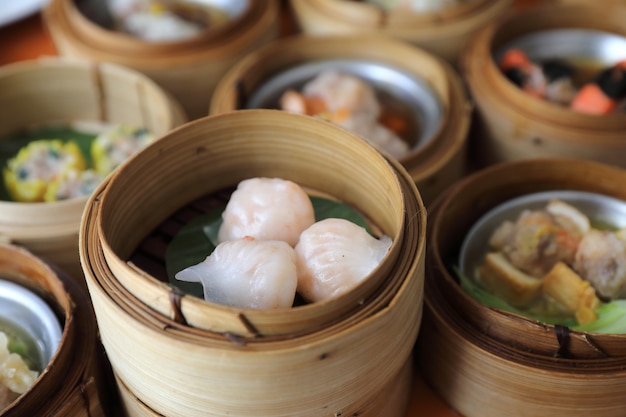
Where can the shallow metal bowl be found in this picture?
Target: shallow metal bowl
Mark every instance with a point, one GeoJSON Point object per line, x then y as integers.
{"type": "Point", "coordinates": [596, 46]}
{"type": "Point", "coordinates": [99, 11]}
{"type": "Point", "coordinates": [22, 309]}
{"type": "Point", "coordinates": [402, 92]}
{"type": "Point", "coordinates": [601, 209]}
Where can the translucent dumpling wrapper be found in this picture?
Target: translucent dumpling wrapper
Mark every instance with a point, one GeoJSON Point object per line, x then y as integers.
{"type": "Point", "coordinates": [267, 209]}
{"type": "Point", "coordinates": [247, 273]}
{"type": "Point", "coordinates": [334, 256]}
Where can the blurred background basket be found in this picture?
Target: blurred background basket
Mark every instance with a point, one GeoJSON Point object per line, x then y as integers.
{"type": "Point", "coordinates": [417, 80]}
{"type": "Point", "coordinates": [58, 90]}
{"type": "Point", "coordinates": [76, 381]}
{"type": "Point", "coordinates": [443, 33]}
{"type": "Point", "coordinates": [512, 124]}
{"type": "Point", "coordinates": [187, 69]}
{"type": "Point", "coordinates": [472, 354]}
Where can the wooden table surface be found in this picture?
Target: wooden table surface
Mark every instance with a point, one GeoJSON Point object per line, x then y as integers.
{"type": "Point", "coordinates": [28, 39]}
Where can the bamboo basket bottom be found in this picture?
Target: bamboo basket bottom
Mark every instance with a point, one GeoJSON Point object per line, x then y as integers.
{"type": "Point", "coordinates": [150, 254]}
{"type": "Point", "coordinates": [391, 401]}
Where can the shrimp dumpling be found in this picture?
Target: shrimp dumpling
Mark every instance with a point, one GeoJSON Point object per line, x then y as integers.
{"type": "Point", "coordinates": [334, 256]}
{"type": "Point", "coordinates": [247, 273]}
{"type": "Point", "coordinates": [267, 209]}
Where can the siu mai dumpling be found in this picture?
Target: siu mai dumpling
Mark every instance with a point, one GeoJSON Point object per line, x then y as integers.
{"type": "Point", "coordinates": [247, 273]}
{"type": "Point", "coordinates": [267, 209]}
{"type": "Point", "coordinates": [334, 256]}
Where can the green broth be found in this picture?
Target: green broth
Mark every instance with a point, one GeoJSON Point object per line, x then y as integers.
{"type": "Point", "coordinates": [22, 343]}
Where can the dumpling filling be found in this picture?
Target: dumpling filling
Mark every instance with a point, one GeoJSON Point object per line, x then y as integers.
{"type": "Point", "coordinates": [15, 376]}
{"type": "Point", "coordinates": [247, 273]}
{"type": "Point", "coordinates": [334, 256]}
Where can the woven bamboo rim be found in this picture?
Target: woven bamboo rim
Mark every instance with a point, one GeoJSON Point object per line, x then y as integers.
{"type": "Point", "coordinates": [517, 126]}
{"type": "Point", "coordinates": [465, 202]}
{"type": "Point", "coordinates": [74, 382]}
{"type": "Point", "coordinates": [188, 70]}
{"type": "Point", "coordinates": [124, 43]}
{"type": "Point", "coordinates": [443, 33]}
{"type": "Point", "coordinates": [433, 167]}
{"type": "Point", "coordinates": [155, 351]}
{"type": "Point", "coordinates": [30, 95]}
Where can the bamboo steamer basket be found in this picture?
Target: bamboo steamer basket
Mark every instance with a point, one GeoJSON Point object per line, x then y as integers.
{"type": "Point", "coordinates": [443, 33]}
{"type": "Point", "coordinates": [187, 69]}
{"type": "Point", "coordinates": [486, 362]}
{"type": "Point", "coordinates": [58, 90]}
{"type": "Point", "coordinates": [76, 381]}
{"type": "Point", "coordinates": [215, 360]}
{"type": "Point", "coordinates": [512, 125]}
{"type": "Point", "coordinates": [436, 161]}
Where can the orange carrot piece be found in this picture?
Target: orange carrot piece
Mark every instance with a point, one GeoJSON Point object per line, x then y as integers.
{"type": "Point", "coordinates": [514, 58]}
{"type": "Point", "coordinates": [315, 105]}
{"type": "Point", "coordinates": [393, 122]}
{"type": "Point", "coordinates": [592, 100]}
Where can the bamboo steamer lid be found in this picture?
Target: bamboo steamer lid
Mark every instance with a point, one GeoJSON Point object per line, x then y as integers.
{"type": "Point", "coordinates": [511, 124]}
{"type": "Point", "coordinates": [443, 33]}
{"type": "Point", "coordinates": [483, 361]}
{"type": "Point", "coordinates": [58, 90]}
{"type": "Point", "coordinates": [76, 381]}
{"type": "Point", "coordinates": [436, 161]}
{"type": "Point", "coordinates": [217, 360]}
{"type": "Point", "coordinates": [187, 69]}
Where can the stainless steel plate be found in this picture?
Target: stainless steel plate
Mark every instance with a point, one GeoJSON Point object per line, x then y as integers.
{"type": "Point", "coordinates": [410, 95]}
{"type": "Point", "coordinates": [23, 309]}
{"type": "Point", "coordinates": [600, 208]}
{"type": "Point", "coordinates": [602, 47]}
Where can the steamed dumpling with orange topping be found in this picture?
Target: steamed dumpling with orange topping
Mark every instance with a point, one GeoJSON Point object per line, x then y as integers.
{"type": "Point", "coordinates": [247, 273]}
{"type": "Point", "coordinates": [267, 209]}
{"type": "Point", "coordinates": [334, 256]}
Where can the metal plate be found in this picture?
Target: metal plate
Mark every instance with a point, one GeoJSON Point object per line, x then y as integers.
{"type": "Point", "coordinates": [602, 47]}
{"type": "Point", "coordinates": [25, 310]}
{"type": "Point", "coordinates": [599, 208]}
{"type": "Point", "coordinates": [412, 95]}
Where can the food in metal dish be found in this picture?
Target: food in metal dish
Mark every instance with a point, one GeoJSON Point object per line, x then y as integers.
{"type": "Point", "coordinates": [417, 6]}
{"type": "Point", "coordinates": [408, 104]}
{"type": "Point", "coordinates": [317, 259]}
{"type": "Point", "coordinates": [553, 263]}
{"type": "Point", "coordinates": [580, 69]}
{"type": "Point", "coordinates": [350, 102]}
{"type": "Point", "coordinates": [15, 375]}
{"type": "Point", "coordinates": [164, 21]}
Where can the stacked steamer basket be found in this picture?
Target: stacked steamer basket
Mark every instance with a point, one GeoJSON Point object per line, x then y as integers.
{"type": "Point", "coordinates": [188, 69]}
{"type": "Point", "coordinates": [488, 362]}
{"type": "Point", "coordinates": [56, 90]}
{"type": "Point", "coordinates": [175, 354]}
{"type": "Point", "coordinates": [514, 125]}
{"type": "Point", "coordinates": [443, 32]}
{"type": "Point", "coordinates": [76, 378]}
{"type": "Point", "coordinates": [420, 87]}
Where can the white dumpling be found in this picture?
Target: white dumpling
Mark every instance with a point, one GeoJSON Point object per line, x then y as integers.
{"type": "Point", "coordinates": [267, 209]}
{"type": "Point", "coordinates": [247, 273]}
{"type": "Point", "coordinates": [334, 255]}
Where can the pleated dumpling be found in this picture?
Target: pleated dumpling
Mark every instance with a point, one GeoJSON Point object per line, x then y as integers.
{"type": "Point", "coordinates": [247, 273]}
{"type": "Point", "coordinates": [334, 256]}
{"type": "Point", "coordinates": [267, 209]}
